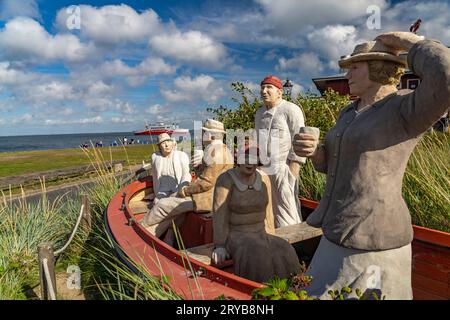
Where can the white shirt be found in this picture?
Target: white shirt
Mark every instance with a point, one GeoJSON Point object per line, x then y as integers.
{"type": "Point", "coordinates": [282, 122]}
{"type": "Point", "coordinates": [170, 173]}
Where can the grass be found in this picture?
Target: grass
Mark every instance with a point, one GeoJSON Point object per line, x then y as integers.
{"type": "Point", "coordinates": [104, 276]}
{"type": "Point", "coordinates": [23, 227]}
{"type": "Point", "coordinates": [426, 184]}
{"type": "Point", "coordinates": [26, 162]}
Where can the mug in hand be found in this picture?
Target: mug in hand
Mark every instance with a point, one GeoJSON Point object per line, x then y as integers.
{"type": "Point", "coordinates": [314, 131]}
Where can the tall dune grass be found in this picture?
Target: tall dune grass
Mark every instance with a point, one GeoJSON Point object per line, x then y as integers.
{"type": "Point", "coordinates": [23, 226]}
{"type": "Point", "coordinates": [104, 275]}
{"type": "Point", "coordinates": [426, 185]}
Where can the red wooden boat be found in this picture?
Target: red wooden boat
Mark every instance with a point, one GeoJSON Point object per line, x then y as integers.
{"type": "Point", "coordinates": [192, 275]}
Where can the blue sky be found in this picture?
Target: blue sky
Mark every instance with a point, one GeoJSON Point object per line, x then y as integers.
{"type": "Point", "coordinates": [118, 64]}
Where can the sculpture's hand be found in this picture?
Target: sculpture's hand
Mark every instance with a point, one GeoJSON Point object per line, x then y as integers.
{"type": "Point", "coordinates": [181, 193]}
{"type": "Point", "coordinates": [197, 158]}
{"type": "Point", "coordinates": [400, 40]}
{"type": "Point", "coordinates": [219, 255]}
{"type": "Point", "coordinates": [305, 145]}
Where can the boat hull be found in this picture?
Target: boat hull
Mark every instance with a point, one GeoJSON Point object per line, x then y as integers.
{"type": "Point", "coordinates": [151, 132]}
{"type": "Point", "coordinates": [193, 279]}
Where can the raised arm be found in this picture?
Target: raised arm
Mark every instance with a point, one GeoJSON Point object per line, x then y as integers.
{"type": "Point", "coordinates": [430, 60]}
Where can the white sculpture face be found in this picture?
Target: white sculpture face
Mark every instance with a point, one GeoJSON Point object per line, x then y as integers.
{"type": "Point", "coordinates": [271, 95]}
{"type": "Point", "coordinates": [358, 78]}
{"type": "Point", "coordinates": [247, 169]}
{"type": "Point", "coordinates": [166, 147]}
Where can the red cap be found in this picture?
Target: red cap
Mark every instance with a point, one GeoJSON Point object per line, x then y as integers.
{"type": "Point", "coordinates": [273, 81]}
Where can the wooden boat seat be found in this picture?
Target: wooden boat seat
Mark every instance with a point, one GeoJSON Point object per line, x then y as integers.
{"type": "Point", "coordinates": [203, 254]}
{"type": "Point", "coordinates": [298, 232]}
{"type": "Point", "coordinates": [292, 234]}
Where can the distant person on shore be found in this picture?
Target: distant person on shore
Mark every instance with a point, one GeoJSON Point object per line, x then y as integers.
{"type": "Point", "coordinates": [280, 120]}
{"type": "Point", "coordinates": [198, 195]}
{"type": "Point", "coordinates": [125, 141]}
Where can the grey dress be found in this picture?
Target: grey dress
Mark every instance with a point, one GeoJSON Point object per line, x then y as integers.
{"type": "Point", "coordinates": [243, 224]}
{"type": "Point", "coordinates": [366, 223]}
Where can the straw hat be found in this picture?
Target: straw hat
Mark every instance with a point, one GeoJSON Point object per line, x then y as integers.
{"type": "Point", "coordinates": [163, 137]}
{"type": "Point", "coordinates": [213, 126]}
{"type": "Point", "coordinates": [373, 50]}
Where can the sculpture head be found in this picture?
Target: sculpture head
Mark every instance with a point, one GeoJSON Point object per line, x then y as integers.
{"type": "Point", "coordinates": [165, 144]}
{"type": "Point", "coordinates": [212, 130]}
{"type": "Point", "coordinates": [372, 64]}
{"type": "Point", "coordinates": [271, 91]}
{"type": "Point", "coordinates": [251, 161]}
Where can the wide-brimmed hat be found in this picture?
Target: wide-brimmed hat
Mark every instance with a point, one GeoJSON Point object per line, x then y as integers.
{"type": "Point", "coordinates": [373, 50]}
{"type": "Point", "coordinates": [163, 137]}
{"type": "Point", "coordinates": [213, 126]}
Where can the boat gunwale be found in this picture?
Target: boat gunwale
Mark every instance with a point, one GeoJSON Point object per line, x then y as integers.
{"type": "Point", "coordinates": [212, 273]}
{"type": "Point", "coordinates": [437, 238]}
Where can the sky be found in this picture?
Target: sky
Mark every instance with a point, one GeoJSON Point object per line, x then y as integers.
{"type": "Point", "coordinates": [112, 66]}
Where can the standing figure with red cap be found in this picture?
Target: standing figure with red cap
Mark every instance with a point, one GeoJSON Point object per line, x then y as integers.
{"type": "Point", "coordinates": [276, 123]}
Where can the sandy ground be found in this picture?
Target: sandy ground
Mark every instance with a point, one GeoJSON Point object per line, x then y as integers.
{"type": "Point", "coordinates": [62, 290]}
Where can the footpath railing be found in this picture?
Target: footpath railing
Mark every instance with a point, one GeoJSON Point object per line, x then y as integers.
{"type": "Point", "coordinates": [47, 255]}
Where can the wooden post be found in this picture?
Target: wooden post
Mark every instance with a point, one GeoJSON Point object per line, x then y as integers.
{"type": "Point", "coordinates": [46, 252]}
{"type": "Point", "coordinates": [86, 221]}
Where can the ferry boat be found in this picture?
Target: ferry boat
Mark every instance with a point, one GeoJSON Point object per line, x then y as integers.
{"type": "Point", "coordinates": [161, 127]}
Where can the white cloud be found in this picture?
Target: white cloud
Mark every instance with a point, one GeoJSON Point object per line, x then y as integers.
{"type": "Point", "coordinates": [255, 88]}
{"type": "Point", "coordinates": [67, 112]}
{"type": "Point", "coordinates": [307, 63]}
{"type": "Point", "coordinates": [126, 108]}
{"type": "Point", "coordinates": [24, 39]}
{"type": "Point", "coordinates": [155, 109]}
{"type": "Point", "coordinates": [191, 47]}
{"type": "Point", "coordinates": [296, 90]}
{"type": "Point", "coordinates": [51, 91]}
{"type": "Point", "coordinates": [435, 17]}
{"type": "Point", "coordinates": [332, 42]}
{"type": "Point", "coordinates": [83, 121]}
{"type": "Point", "coordinates": [10, 76]}
{"type": "Point", "coordinates": [134, 75]}
{"type": "Point", "coordinates": [113, 24]}
{"type": "Point", "coordinates": [99, 88]}
{"type": "Point", "coordinates": [24, 8]}
{"type": "Point", "coordinates": [25, 118]}
{"type": "Point", "coordinates": [189, 89]}
{"type": "Point", "coordinates": [284, 16]}
{"type": "Point", "coordinates": [120, 120]}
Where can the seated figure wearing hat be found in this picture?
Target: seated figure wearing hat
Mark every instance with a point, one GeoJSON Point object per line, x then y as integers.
{"type": "Point", "coordinates": [197, 196]}
{"type": "Point", "coordinates": [170, 168]}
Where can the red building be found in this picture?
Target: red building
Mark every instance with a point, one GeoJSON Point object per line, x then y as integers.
{"type": "Point", "coordinates": [407, 81]}
{"type": "Point", "coordinates": [340, 85]}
